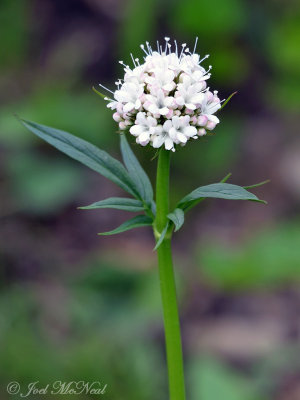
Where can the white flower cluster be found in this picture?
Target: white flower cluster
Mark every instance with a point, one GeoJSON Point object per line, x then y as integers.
{"type": "Point", "coordinates": [165, 101]}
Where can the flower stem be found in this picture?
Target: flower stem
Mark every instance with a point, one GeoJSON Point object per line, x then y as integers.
{"type": "Point", "coordinates": [167, 282]}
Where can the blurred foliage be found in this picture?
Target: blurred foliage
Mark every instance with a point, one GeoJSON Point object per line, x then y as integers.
{"type": "Point", "coordinates": [210, 379]}
{"type": "Point", "coordinates": [14, 28]}
{"type": "Point", "coordinates": [42, 185]}
{"type": "Point", "coordinates": [79, 113]}
{"type": "Point", "coordinates": [283, 48]}
{"type": "Point", "coordinates": [271, 258]}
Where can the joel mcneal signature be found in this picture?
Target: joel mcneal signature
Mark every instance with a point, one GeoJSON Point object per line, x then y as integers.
{"type": "Point", "coordinates": [57, 387]}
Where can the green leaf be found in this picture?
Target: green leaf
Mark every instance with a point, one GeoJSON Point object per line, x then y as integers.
{"type": "Point", "coordinates": [225, 179]}
{"type": "Point", "coordinates": [257, 184]}
{"type": "Point", "coordinates": [177, 217]}
{"type": "Point", "coordinates": [86, 153]}
{"type": "Point", "coordinates": [136, 172]}
{"type": "Point", "coordinates": [187, 206]}
{"type": "Point", "coordinates": [136, 222]}
{"type": "Point", "coordinates": [227, 100]}
{"type": "Point", "coordinates": [100, 94]}
{"type": "Point", "coordinates": [117, 203]}
{"type": "Point", "coordinates": [220, 191]}
{"type": "Point", "coordinates": [161, 237]}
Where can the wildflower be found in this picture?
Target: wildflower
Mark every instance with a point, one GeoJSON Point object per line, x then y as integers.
{"type": "Point", "coordinates": [165, 101]}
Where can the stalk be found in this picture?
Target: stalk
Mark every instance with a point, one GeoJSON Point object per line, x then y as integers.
{"type": "Point", "coordinates": [167, 282]}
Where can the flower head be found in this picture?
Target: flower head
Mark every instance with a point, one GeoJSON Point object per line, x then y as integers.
{"type": "Point", "coordinates": [165, 101]}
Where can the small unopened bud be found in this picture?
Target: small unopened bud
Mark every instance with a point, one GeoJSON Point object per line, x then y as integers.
{"type": "Point", "coordinates": [201, 132]}
{"type": "Point", "coordinates": [202, 120]}
{"type": "Point", "coordinates": [194, 120]}
{"type": "Point", "coordinates": [117, 117]}
{"type": "Point", "coordinates": [120, 108]}
{"type": "Point", "coordinates": [122, 125]}
{"type": "Point", "coordinates": [170, 113]}
{"type": "Point", "coordinates": [210, 125]}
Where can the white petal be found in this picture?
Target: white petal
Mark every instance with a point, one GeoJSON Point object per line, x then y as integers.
{"type": "Point", "coordinates": [197, 98]}
{"type": "Point", "coordinates": [128, 107]}
{"type": "Point", "coordinates": [168, 144]}
{"type": "Point", "coordinates": [169, 86]}
{"type": "Point", "coordinates": [136, 130]}
{"type": "Point", "coordinates": [151, 121]}
{"type": "Point", "coordinates": [212, 108]}
{"type": "Point", "coordinates": [190, 131]}
{"type": "Point", "coordinates": [163, 111]}
{"type": "Point", "coordinates": [181, 137]}
{"type": "Point", "coordinates": [141, 118]}
{"type": "Point", "coordinates": [173, 133]}
{"type": "Point", "coordinates": [167, 125]}
{"type": "Point", "coordinates": [137, 104]}
{"type": "Point", "coordinates": [153, 109]}
{"type": "Point", "coordinates": [121, 96]}
{"type": "Point", "coordinates": [213, 118]}
{"type": "Point", "coordinates": [190, 106]}
{"type": "Point", "coordinates": [158, 141]}
{"type": "Point", "coordinates": [176, 122]}
{"type": "Point", "coordinates": [169, 101]}
{"type": "Point", "coordinates": [179, 101]}
{"type": "Point", "coordinates": [144, 138]}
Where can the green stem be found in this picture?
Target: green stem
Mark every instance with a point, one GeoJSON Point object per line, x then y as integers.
{"type": "Point", "coordinates": [167, 282]}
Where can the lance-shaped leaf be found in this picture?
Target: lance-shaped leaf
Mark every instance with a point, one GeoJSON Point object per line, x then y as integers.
{"type": "Point", "coordinates": [136, 222]}
{"type": "Point", "coordinates": [161, 237]}
{"type": "Point", "coordinates": [86, 153]}
{"type": "Point", "coordinates": [220, 191]}
{"type": "Point", "coordinates": [136, 172]}
{"type": "Point", "coordinates": [187, 206]}
{"type": "Point", "coordinates": [257, 184]}
{"type": "Point", "coordinates": [227, 100]}
{"type": "Point", "coordinates": [118, 203]}
{"type": "Point", "coordinates": [100, 94]}
{"type": "Point", "coordinates": [177, 217]}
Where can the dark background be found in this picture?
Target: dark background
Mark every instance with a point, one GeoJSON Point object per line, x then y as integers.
{"type": "Point", "coordinates": [76, 306]}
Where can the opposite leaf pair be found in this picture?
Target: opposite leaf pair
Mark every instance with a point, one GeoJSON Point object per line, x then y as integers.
{"type": "Point", "coordinates": [133, 179]}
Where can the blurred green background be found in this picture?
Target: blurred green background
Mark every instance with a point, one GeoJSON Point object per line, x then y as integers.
{"type": "Point", "coordinates": [76, 306]}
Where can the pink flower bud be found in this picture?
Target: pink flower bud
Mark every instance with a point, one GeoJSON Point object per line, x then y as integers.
{"type": "Point", "coordinates": [122, 125]}
{"type": "Point", "coordinates": [120, 108]}
{"type": "Point", "coordinates": [188, 111]}
{"type": "Point", "coordinates": [117, 117]}
{"type": "Point", "coordinates": [201, 132]}
{"type": "Point", "coordinates": [194, 120]}
{"type": "Point", "coordinates": [210, 125]}
{"type": "Point", "coordinates": [202, 120]}
{"type": "Point", "coordinates": [210, 97]}
{"type": "Point", "coordinates": [170, 113]}
{"type": "Point", "coordinates": [143, 98]}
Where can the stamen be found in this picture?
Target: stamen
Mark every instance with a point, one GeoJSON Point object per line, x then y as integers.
{"type": "Point", "coordinates": [195, 46]}
{"type": "Point", "coordinates": [182, 50]}
{"type": "Point", "coordinates": [204, 58]}
{"type": "Point", "coordinates": [149, 48]}
{"type": "Point", "coordinates": [166, 39]}
{"type": "Point", "coordinates": [176, 47]}
{"type": "Point", "coordinates": [143, 48]}
{"type": "Point", "coordinates": [106, 88]}
{"type": "Point", "coordinates": [132, 59]}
